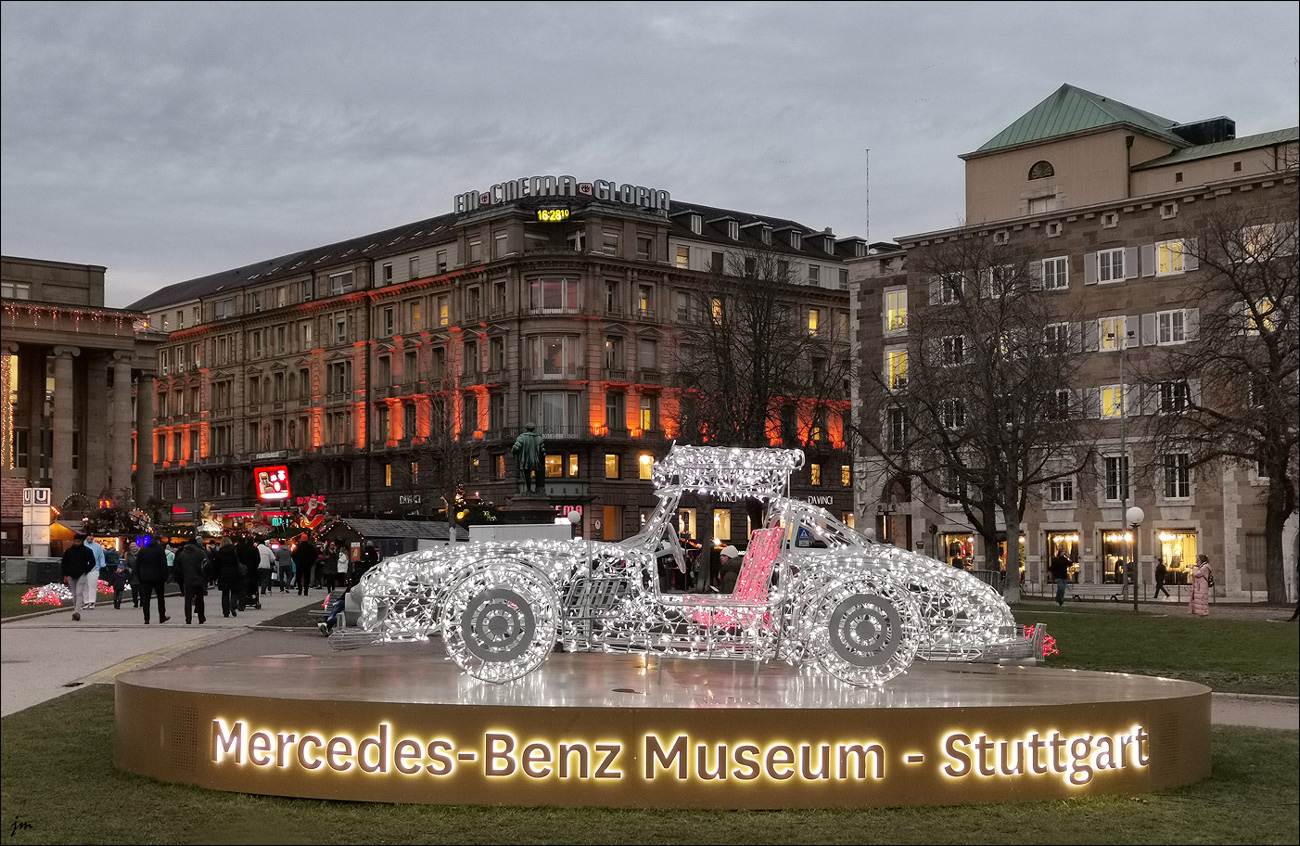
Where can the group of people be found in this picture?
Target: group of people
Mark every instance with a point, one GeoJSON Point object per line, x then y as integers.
{"type": "Point", "coordinates": [1202, 581]}
{"type": "Point", "coordinates": [243, 570]}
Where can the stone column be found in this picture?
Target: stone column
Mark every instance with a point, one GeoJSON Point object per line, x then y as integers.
{"type": "Point", "coordinates": [143, 439]}
{"type": "Point", "coordinates": [63, 481]}
{"type": "Point", "coordinates": [122, 423]}
{"type": "Point", "coordinates": [32, 364]}
{"type": "Point", "coordinates": [91, 416]}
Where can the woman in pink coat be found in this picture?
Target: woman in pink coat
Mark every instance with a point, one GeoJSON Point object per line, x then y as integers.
{"type": "Point", "coordinates": [1200, 602]}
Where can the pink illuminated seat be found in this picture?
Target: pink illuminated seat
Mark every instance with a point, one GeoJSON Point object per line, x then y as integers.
{"type": "Point", "coordinates": [752, 584]}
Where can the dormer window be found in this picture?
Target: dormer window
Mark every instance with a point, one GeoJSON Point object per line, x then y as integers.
{"type": "Point", "coordinates": [828, 244]}
{"type": "Point", "coordinates": [1041, 170]}
{"type": "Point", "coordinates": [796, 240]}
{"type": "Point", "coordinates": [733, 230]}
{"type": "Point", "coordinates": [697, 224]}
{"type": "Point", "coordinates": [767, 234]}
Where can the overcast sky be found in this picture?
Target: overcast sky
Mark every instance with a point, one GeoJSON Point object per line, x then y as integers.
{"type": "Point", "coordinates": [167, 141]}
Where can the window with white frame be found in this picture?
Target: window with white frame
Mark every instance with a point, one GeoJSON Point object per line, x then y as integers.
{"type": "Point", "coordinates": [1112, 401]}
{"type": "Point", "coordinates": [952, 413]}
{"type": "Point", "coordinates": [341, 283]}
{"type": "Point", "coordinates": [1175, 397]}
{"type": "Point", "coordinates": [556, 412]}
{"type": "Point", "coordinates": [1171, 327]}
{"type": "Point", "coordinates": [1056, 273]}
{"type": "Point", "coordinates": [896, 368]}
{"type": "Point", "coordinates": [1061, 491]}
{"type": "Point", "coordinates": [896, 429]}
{"type": "Point", "coordinates": [554, 357]}
{"type": "Point", "coordinates": [896, 310]}
{"type": "Point", "coordinates": [553, 295]}
{"type": "Point", "coordinates": [1116, 480]}
{"type": "Point", "coordinates": [1111, 333]}
{"type": "Point", "coordinates": [945, 289]}
{"type": "Point", "coordinates": [953, 350]}
{"type": "Point", "coordinates": [340, 329]}
{"type": "Point", "coordinates": [1110, 265]}
{"type": "Point", "coordinates": [814, 274]}
{"type": "Point", "coordinates": [224, 309]}
{"type": "Point", "coordinates": [1178, 477]}
{"type": "Point", "coordinates": [1169, 257]}
{"type": "Point", "coordinates": [1056, 338]}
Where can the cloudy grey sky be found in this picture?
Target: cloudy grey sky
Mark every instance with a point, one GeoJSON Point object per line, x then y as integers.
{"type": "Point", "coordinates": [171, 140]}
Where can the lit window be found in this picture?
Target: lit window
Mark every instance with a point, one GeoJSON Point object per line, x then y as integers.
{"type": "Point", "coordinates": [815, 475]}
{"type": "Point", "coordinates": [1169, 257]}
{"type": "Point", "coordinates": [814, 320]}
{"type": "Point", "coordinates": [645, 466]}
{"type": "Point", "coordinates": [896, 310]}
{"type": "Point", "coordinates": [1112, 401]}
{"type": "Point", "coordinates": [1110, 331]}
{"type": "Point", "coordinates": [611, 465]}
{"type": "Point", "coordinates": [846, 475]}
{"type": "Point", "coordinates": [896, 366]}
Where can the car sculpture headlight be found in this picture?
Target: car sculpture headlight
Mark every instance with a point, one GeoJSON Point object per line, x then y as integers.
{"type": "Point", "coordinates": [811, 591]}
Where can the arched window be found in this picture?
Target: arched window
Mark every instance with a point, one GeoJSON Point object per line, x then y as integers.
{"type": "Point", "coordinates": [1041, 170]}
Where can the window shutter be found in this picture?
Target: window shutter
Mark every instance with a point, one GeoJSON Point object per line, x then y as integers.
{"type": "Point", "coordinates": [1090, 334]}
{"type": "Point", "coordinates": [1092, 403]}
{"type": "Point", "coordinates": [1132, 400]}
{"type": "Point", "coordinates": [1192, 323]}
{"type": "Point", "coordinates": [1090, 268]}
{"type": "Point", "coordinates": [1151, 399]}
{"type": "Point", "coordinates": [1076, 337]}
{"type": "Point", "coordinates": [1035, 275]}
{"type": "Point", "coordinates": [1132, 323]}
{"type": "Point", "coordinates": [1148, 259]}
{"type": "Point", "coordinates": [1076, 402]}
{"type": "Point", "coordinates": [935, 288]}
{"type": "Point", "coordinates": [1191, 259]}
{"type": "Point", "coordinates": [1132, 266]}
{"type": "Point", "coordinates": [1148, 329]}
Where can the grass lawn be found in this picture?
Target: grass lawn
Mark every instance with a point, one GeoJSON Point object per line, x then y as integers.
{"type": "Point", "coordinates": [11, 602]}
{"type": "Point", "coordinates": [1229, 656]}
{"type": "Point", "coordinates": [60, 786]}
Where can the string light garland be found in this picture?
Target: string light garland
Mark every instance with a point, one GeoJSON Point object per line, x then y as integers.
{"type": "Point", "coordinates": [812, 591]}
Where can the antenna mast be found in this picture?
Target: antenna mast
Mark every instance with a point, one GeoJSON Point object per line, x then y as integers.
{"type": "Point", "coordinates": [868, 198]}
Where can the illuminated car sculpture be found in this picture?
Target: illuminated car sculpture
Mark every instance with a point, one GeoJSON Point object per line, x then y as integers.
{"type": "Point", "coordinates": [811, 591]}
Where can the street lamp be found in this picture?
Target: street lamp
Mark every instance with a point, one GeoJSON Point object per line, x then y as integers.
{"type": "Point", "coordinates": [1134, 517]}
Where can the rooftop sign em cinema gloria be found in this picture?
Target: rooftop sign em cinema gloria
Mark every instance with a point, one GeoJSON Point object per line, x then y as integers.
{"type": "Point", "coordinates": [562, 186]}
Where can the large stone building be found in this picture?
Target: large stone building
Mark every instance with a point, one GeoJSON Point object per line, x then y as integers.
{"type": "Point", "coordinates": [70, 368]}
{"type": "Point", "coordinates": [1100, 204]}
{"type": "Point", "coordinates": [368, 366]}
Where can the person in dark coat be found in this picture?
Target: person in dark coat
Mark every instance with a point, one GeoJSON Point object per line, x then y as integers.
{"type": "Point", "coordinates": [151, 570]}
{"type": "Point", "coordinates": [78, 562]}
{"type": "Point", "coordinates": [369, 558]}
{"type": "Point", "coordinates": [192, 567]}
{"type": "Point", "coordinates": [251, 559]}
{"type": "Point", "coordinates": [123, 580]}
{"type": "Point", "coordinates": [305, 555]}
{"type": "Point", "coordinates": [231, 577]}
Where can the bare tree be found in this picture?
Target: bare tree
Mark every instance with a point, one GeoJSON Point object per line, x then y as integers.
{"type": "Point", "coordinates": [1229, 395]}
{"type": "Point", "coordinates": [978, 405]}
{"type": "Point", "coordinates": [755, 363]}
{"type": "Point", "coordinates": [439, 463]}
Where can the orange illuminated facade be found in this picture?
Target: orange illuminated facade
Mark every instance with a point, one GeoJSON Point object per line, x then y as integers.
{"type": "Point", "coordinates": [336, 361]}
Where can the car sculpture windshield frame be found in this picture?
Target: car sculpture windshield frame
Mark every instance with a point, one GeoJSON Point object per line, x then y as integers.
{"type": "Point", "coordinates": [812, 591]}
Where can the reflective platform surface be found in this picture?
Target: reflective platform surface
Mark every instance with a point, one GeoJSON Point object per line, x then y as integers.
{"type": "Point", "coordinates": [405, 725]}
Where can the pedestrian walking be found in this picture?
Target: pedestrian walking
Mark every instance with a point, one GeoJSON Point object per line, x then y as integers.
{"type": "Point", "coordinates": [284, 565]}
{"type": "Point", "coordinates": [152, 572]}
{"type": "Point", "coordinates": [123, 580]}
{"type": "Point", "coordinates": [251, 560]}
{"type": "Point", "coordinates": [1202, 581]}
{"type": "Point", "coordinates": [78, 565]}
{"type": "Point", "coordinates": [231, 575]}
{"type": "Point", "coordinates": [194, 572]}
{"type": "Point", "coordinates": [304, 561]}
{"type": "Point", "coordinates": [1162, 573]}
{"type": "Point", "coordinates": [265, 567]}
{"type": "Point", "coordinates": [1059, 567]}
{"type": "Point", "coordinates": [91, 585]}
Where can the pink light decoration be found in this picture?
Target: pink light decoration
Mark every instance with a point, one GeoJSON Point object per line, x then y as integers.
{"type": "Point", "coordinates": [1049, 642]}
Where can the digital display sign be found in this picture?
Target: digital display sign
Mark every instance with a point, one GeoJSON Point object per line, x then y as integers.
{"type": "Point", "coordinates": [552, 215]}
{"type": "Point", "coordinates": [272, 482]}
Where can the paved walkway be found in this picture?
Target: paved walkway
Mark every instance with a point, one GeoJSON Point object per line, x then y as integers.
{"type": "Point", "coordinates": [43, 656]}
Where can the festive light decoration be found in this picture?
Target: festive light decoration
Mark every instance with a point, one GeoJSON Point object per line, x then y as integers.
{"type": "Point", "coordinates": [54, 593]}
{"type": "Point", "coordinates": [812, 591]}
{"type": "Point", "coordinates": [1049, 642]}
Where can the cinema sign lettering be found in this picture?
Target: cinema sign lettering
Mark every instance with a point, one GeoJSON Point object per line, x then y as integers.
{"type": "Point", "coordinates": [559, 187]}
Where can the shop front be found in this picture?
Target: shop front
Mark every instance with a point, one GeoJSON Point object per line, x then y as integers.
{"type": "Point", "coordinates": [1063, 543]}
{"type": "Point", "coordinates": [1177, 549]}
{"type": "Point", "coordinates": [958, 549]}
{"type": "Point", "coordinates": [1116, 552]}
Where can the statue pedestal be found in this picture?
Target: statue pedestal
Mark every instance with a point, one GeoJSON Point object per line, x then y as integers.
{"type": "Point", "coordinates": [527, 508]}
